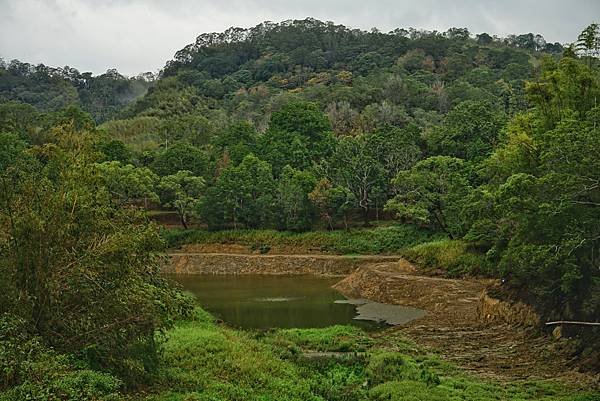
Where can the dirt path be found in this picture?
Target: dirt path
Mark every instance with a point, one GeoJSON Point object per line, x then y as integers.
{"type": "Point", "coordinates": [454, 329]}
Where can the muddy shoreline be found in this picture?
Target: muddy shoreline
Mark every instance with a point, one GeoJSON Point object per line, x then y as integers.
{"type": "Point", "coordinates": [464, 324]}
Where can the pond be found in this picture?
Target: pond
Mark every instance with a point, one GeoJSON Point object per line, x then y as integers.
{"type": "Point", "coordinates": [282, 301]}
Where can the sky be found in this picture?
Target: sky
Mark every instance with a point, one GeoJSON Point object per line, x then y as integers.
{"type": "Point", "coordinates": [141, 35]}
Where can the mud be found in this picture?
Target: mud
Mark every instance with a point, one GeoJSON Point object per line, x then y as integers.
{"type": "Point", "coordinates": [466, 326]}
{"type": "Point", "coordinates": [463, 323]}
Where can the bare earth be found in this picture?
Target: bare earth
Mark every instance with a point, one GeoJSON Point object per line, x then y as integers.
{"type": "Point", "coordinates": [454, 329]}
{"type": "Point", "coordinates": [453, 326]}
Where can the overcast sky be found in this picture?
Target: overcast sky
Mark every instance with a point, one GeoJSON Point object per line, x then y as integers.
{"type": "Point", "coordinates": [141, 35]}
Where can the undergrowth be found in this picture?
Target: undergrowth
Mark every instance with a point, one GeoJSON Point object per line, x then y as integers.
{"type": "Point", "coordinates": [453, 258]}
{"type": "Point", "coordinates": [205, 361]}
{"type": "Point", "coordinates": [378, 240]}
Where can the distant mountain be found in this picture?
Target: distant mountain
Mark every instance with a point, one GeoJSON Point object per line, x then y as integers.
{"type": "Point", "coordinates": [295, 56]}
{"type": "Point", "coordinates": [50, 89]}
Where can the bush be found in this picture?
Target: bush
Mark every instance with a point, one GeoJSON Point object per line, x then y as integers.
{"type": "Point", "coordinates": [453, 257]}
{"type": "Point", "coordinates": [391, 366]}
{"type": "Point", "coordinates": [31, 371]}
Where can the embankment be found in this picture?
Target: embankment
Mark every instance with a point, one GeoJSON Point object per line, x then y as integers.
{"type": "Point", "coordinates": [232, 263]}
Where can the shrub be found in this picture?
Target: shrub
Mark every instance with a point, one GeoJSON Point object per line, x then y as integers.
{"type": "Point", "coordinates": [453, 257]}
{"type": "Point", "coordinates": [31, 371]}
{"type": "Point", "coordinates": [391, 239]}
{"type": "Point", "coordinates": [333, 338]}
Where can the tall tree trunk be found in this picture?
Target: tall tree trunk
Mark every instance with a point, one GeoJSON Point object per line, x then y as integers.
{"type": "Point", "coordinates": [183, 221]}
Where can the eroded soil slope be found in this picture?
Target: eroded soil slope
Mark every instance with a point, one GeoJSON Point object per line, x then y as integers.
{"type": "Point", "coordinates": [455, 328]}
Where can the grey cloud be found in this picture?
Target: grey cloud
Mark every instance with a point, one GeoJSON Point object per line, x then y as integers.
{"type": "Point", "coordinates": [141, 35]}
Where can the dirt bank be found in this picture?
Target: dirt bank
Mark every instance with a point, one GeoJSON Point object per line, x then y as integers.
{"type": "Point", "coordinates": [465, 325]}
{"type": "Point", "coordinates": [236, 263]}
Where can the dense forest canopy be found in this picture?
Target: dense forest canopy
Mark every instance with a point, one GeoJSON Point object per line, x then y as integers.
{"type": "Point", "coordinates": [51, 89]}
{"type": "Point", "coordinates": [490, 143]}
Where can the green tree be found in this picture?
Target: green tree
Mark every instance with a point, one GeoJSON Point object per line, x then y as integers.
{"type": "Point", "coordinates": [181, 191]}
{"type": "Point", "coordinates": [332, 202]}
{"type": "Point", "coordinates": [298, 135]}
{"type": "Point", "coordinates": [242, 195]}
{"type": "Point", "coordinates": [114, 150]}
{"type": "Point", "coordinates": [588, 42]}
{"type": "Point", "coordinates": [236, 142]}
{"type": "Point", "coordinates": [296, 210]}
{"type": "Point", "coordinates": [11, 149]}
{"type": "Point", "coordinates": [179, 157]}
{"type": "Point", "coordinates": [396, 149]}
{"type": "Point", "coordinates": [82, 273]}
{"type": "Point", "coordinates": [354, 167]}
{"type": "Point", "coordinates": [127, 183]}
{"type": "Point", "coordinates": [432, 192]}
{"type": "Point", "coordinates": [470, 131]}
{"type": "Point", "coordinates": [542, 198]}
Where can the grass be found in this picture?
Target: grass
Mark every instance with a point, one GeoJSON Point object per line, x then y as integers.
{"type": "Point", "coordinates": [330, 339]}
{"type": "Point", "coordinates": [452, 257]}
{"type": "Point", "coordinates": [378, 240]}
{"type": "Point", "coordinates": [204, 361]}
{"type": "Point", "coordinates": [432, 252]}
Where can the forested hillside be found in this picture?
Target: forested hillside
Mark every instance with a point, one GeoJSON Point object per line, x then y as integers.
{"type": "Point", "coordinates": [51, 89]}
{"type": "Point", "coordinates": [489, 145]}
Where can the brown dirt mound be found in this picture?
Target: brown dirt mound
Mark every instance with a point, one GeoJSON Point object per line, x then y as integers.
{"type": "Point", "coordinates": [501, 346]}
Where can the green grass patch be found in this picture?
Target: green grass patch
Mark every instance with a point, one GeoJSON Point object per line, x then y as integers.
{"type": "Point", "coordinates": [379, 240]}
{"type": "Point", "coordinates": [204, 361]}
{"type": "Point", "coordinates": [453, 257]}
{"type": "Point", "coordinates": [333, 339]}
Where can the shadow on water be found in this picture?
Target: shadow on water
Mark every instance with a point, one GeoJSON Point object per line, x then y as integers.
{"type": "Point", "coordinates": [274, 301]}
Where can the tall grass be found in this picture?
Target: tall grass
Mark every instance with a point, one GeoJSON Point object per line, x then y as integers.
{"type": "Point", "coordinates": [380, 240]}
{"type": "Point", "coordinates": [453, 258]}
{"type": "Point", "coordinates": [204, 361]}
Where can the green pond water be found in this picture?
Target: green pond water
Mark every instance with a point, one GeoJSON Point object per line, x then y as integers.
{"type": "Point", "coordinates": [274, 301]}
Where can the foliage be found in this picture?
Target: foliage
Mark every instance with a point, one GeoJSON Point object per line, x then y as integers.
{"type": "Point", "coordinates": [180, 157]}
{"type": "Point", "coordinates": [470, 131]}
{"type": "Point", "coordinates": [209, 362]}
{"type": "Point", "coordinates": [332, 202]}
{"type": "Point", "coordinates": [489, 141]}
{"type": "Point", "coordinates": [333, 338]}
{"type": "Point", "coordinates": [51, 89]}
{"type": "Point", "coordinates": [128, 183]}
{"type": "Point", "coordinates": [32, 371]}
{"type": "Point", "coordinates": [353, 166]}
{"type": "Point", "coordinates": [540, 225]}
{"type": "Point", "coordinates": [298, 135]}
{"type": "Point", "coordinates": [181, 191]}
{"type": "Point", "coordinates": [453, 258]}
{"type": "Point", "coordinates": [242, 195]}
{"type": "Point", "coordinates": [297, 212]}
{"type": "Point", "coordinates": [387, 239]}
{"type": "Point", "coordinates": [81, 272]}
{"type": "Point", "coordinates": [205, 361]}
{"type": "Point", "coordinates": [11, 149]}
{"type": "Point", "coordinates": [432, 192]}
